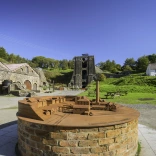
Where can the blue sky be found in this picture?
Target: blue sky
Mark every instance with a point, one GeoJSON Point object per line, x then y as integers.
{"type": "Point", "coordinates": [62, 29]}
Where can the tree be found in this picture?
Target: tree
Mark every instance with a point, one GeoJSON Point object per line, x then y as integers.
{"type": "Point", "coordinates": [12, 58]}
{"type": "Point", "coordinates": [131, 63]}
{"type": "Point", "coordinates": [3, 53]}
{"type": "Point", "coordinates": [142, 63]}
{"type": "Point", "coordinates": [71, 64]}
{"type": "Point", "coordinates": [152, 58]}
{"type": "Point", "coordinates": [127, 68]}
{"type": "Point", "coordinates": [118, 67]}
{"type": "Point", "coordinates": [40, 61]}
{"type": "Point", "coordinates": [64, 64]}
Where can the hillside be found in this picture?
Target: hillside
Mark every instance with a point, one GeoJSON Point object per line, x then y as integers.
{"type": "Point", "coordinates": [132, 83]}
{"type": "Point", "coordinates": [59, 76]}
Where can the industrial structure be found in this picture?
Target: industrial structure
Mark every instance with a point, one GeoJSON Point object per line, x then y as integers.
{"type": "Point", "coordinates": [84, 71]}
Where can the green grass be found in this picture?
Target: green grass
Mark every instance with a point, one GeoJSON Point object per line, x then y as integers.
{"type": "Point", "coordinates": [139, 149]}
{"type": "Point", "coordinates": [130, 98]}
{"type": "Point", "coordinates": [141, 89]}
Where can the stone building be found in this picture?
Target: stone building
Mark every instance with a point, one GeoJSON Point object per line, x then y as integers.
{"type": "Point", "coordinates": [22, 75]}
{"type": "Point", "coordinates": [84, 70]}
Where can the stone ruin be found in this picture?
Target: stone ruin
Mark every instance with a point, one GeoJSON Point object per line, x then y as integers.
{"type": "Point", "coordinates": [20, 79]}
{"type": "Point", "coordinates": [84, 71]}
{"type": "Point", "coordinates": [74, 126]}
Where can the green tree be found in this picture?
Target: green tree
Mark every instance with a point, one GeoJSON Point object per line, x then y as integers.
{"type": "Point", "coordinates": [118, 67]}
{"type": "Point", "coordinates": [142, 63]}
{"type": "Point", "coordinates": [152, 58]}
{"type": "Point", "coordinates": [3, 53]}
{"type": "Point", "coordinates": [40, 61]}
{"type": "Point", "coordinates": [12, 58]}
{"type": "Point", "coordinates": [127, 68]}
{"type": "Point", "coordinates": [130, 62]}
{"type": "Point", "coordinates": [56, 64]}
{"type": "Point", "coordinates": [71, 64]}
{"type": "Point", "coordinates": [64, 64]}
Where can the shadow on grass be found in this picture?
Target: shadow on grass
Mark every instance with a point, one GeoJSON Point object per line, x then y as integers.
{"type": "Point", "coordinates": [144, 99]}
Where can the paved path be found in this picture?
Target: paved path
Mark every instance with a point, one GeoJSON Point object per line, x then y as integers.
{"type": "Point", "coordinates": [147, 137]}
{"type": "Point", "coordinates": [8, 137]}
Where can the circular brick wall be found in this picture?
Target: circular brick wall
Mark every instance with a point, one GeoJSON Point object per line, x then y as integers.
{"type": "Point", "coordinates": [36, 139]}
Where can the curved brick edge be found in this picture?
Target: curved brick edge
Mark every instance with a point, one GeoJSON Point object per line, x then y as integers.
{"type": "Point", "coordinates": [44, 140]}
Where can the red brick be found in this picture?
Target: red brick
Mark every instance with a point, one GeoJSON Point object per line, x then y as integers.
{"type": "Point", "coordinates": [114, 146]}
{"type": "Point", "coordinates": [109, 153]}
{"type": "Point", "coordinates": [65, 143]}
{"type": "Point", "coordinates": [35, 138]}
{"type": "Point", "coordinates": [86, 143]}
{"type": "Point", "coordinates": [77, 136]}
{"type": "Point", "coordinates": [79, 150]}
{"type": "Point", "coordinates": [120, 138]}
{"type": "Point", "coordinates": [121, 126]}
{"type": "Point", "coordinates": [61, 150]}
{"type": "Point", "coordinates": [58, 135]}
{"type": "Point", "coordinates": [106, 141]}
{"type": "Point", "coordinates": [29, 130]}
{"type": "Point", "coordinates": [113, 133]}
{"type": "Point", "coordinates": [49, 141]}
{"type": "Point", "coordinates": [98, 149]}
{"type": "Point", "coordinates": [121, 150]}
{"type": "Point", "coordinates": [96, 135]}
{"type": "Point", "coordinates": [101, 129]}
{"type": "Point", "coordinates": [43, 147]}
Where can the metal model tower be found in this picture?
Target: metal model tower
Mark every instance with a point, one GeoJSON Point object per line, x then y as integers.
{"type": "Point", "coordinates": [84, 70]}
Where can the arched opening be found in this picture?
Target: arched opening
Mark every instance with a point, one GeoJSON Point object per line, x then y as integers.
{"type": "Point", "coordinates": [34, 86]}
{"type": "Point", "coordinates": [28, 84]}
{"type": "Point", "coordinates": [84, 63]}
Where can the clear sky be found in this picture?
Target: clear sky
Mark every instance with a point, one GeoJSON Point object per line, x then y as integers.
{"type": "Point", "coordinates": [62, 29]}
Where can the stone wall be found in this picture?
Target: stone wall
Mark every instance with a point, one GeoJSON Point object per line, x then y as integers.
{"type": "Point", "coordinates": [37, 140]}
{"type": "Point", "coordinates": [4, 75]}
{"type": "Point", "coordinates": [22, 78]}
{"type": "Point", "coordinates": [16, 77]}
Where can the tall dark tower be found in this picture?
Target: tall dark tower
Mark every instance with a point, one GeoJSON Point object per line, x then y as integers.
{"type": "Point", "coordinates": [84, 70]}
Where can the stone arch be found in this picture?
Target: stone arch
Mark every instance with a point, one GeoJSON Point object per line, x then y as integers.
{"type": "Point", "coordinates": [34, 86]}
{"type": "Point", "coordinates": [28, 84]}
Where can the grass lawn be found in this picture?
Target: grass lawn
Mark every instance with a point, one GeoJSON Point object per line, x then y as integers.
{"type": "Point", "coordinates": [130, 98]}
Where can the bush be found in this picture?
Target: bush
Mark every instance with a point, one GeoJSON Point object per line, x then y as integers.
{"type": "Point", "coordinates": [100, 77]}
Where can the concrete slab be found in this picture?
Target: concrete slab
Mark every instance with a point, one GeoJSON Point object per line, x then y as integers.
{"type": "Point", "coordinates": [147, 138]}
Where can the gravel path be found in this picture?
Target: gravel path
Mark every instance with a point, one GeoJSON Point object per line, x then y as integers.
{"type": "Point", "coordinates": [147, 114]}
